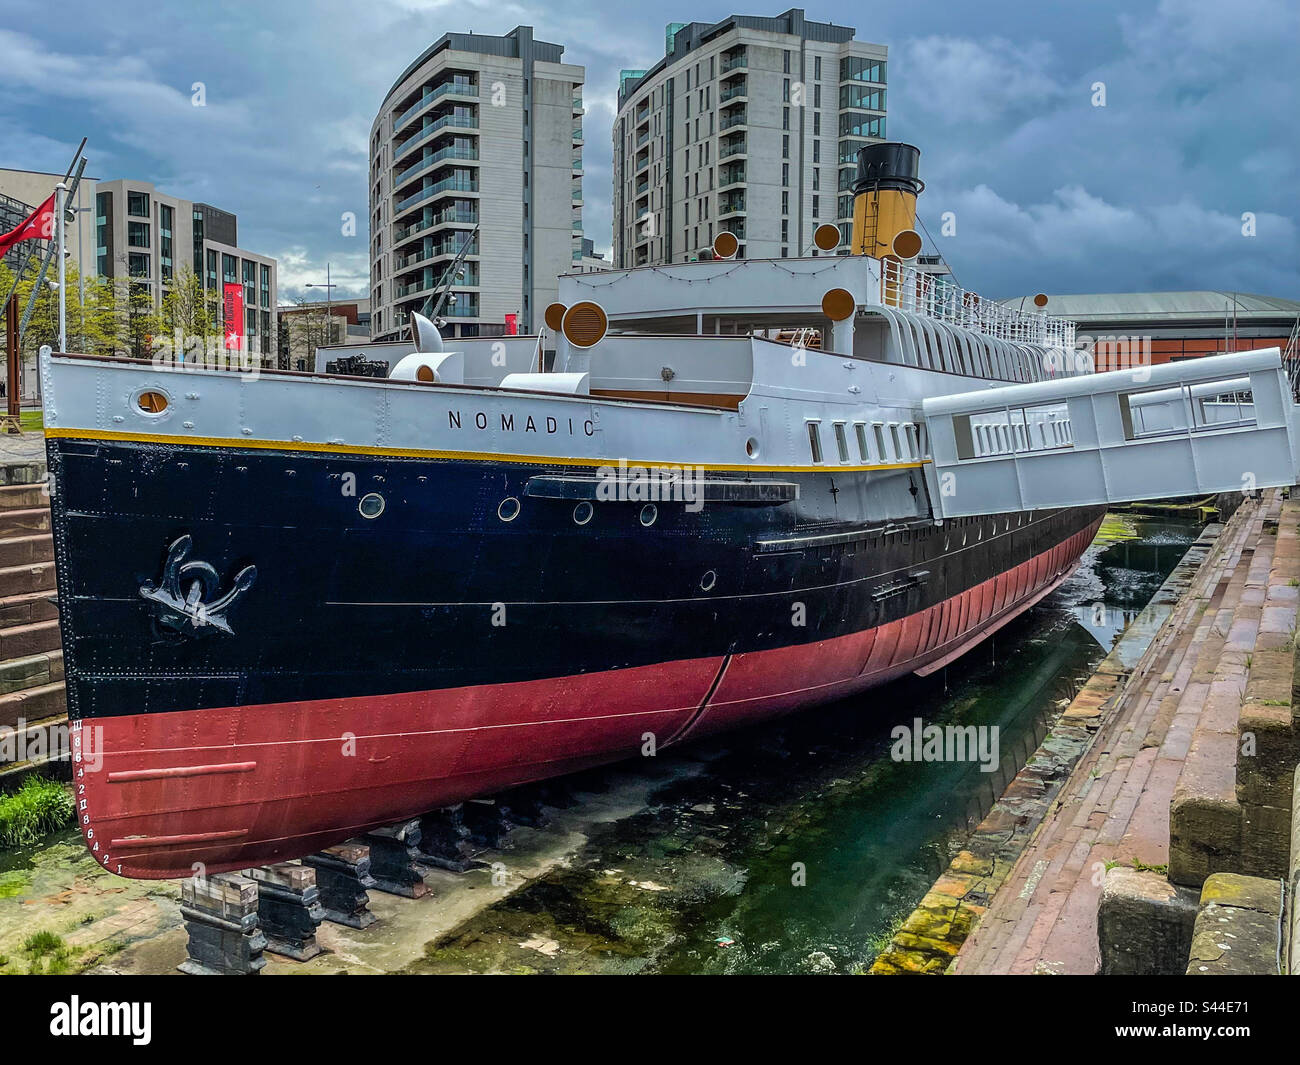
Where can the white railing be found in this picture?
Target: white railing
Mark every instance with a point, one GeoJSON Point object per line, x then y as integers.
{"type": "Point", "coordinates": [912, 289]}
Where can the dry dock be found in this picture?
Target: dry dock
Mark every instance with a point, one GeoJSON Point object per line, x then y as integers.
{"type": "Point", "coordinates": [1150, 832]}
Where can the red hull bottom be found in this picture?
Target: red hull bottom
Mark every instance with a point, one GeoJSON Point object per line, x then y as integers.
{"type": "Point", "coordinates": [168, 795]}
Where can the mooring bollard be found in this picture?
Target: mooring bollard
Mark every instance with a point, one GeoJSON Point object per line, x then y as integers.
{"type": "Point", "coordinates": [221, 917]}
{"type": "Point", "coordinates": [288, 904]}
{"type": "Point", "coordinates": [393, 852]}
{"type": "Point", "coordinates": [342, 878]}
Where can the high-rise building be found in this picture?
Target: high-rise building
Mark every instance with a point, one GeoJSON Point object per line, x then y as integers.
{"type": "Point", "coordinates": [147, 236]}
{"type": "Point", "coordinates": [480, 134]}
{"type": "Point", "coordinates": [750, 125]}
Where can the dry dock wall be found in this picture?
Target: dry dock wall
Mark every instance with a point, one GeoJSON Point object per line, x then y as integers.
{"type": "Point", "coordinates": [1160, 810]}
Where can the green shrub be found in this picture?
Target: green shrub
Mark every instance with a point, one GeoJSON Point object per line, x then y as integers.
{"type": "Point", "coordinates": [38, 807]}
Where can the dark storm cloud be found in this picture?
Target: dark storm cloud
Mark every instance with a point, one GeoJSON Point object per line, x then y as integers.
{"type": "Point", "coordinates": [1045, 190]}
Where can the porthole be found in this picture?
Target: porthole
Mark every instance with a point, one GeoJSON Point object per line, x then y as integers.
{"type": "Point", "coordinates": [151, 401]}
{"type": "Point", "coordinates": [371, 505]}
{"type": "Point", "coordinates": [508, 510]}
{"type": "Point", "coordinates": [751, 447]}
{"type": "Point", "coordinates": [708, 581]}
{"type": "Point", "coordinates": [649, 514]}
{"type": "Point", "coordinates": [582, 513]}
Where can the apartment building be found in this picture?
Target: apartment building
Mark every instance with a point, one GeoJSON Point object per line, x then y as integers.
{"type": "Point", "coordinates": [145, 235]}
{"type": "Point", "coordinates": [750, 125]}
{"type": "Point", "coordinates": [477, 145]}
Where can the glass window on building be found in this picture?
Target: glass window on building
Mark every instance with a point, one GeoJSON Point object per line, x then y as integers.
{"type": "Point", "coordinates": [137, 234]}
{"type": "Point", "coordinates": [266, 286]}
{"type": "Point", "coordinates": [137, 203]}
{"type": "Point", "coordinates": [853, 124]}
{"type": "Point", "coordinates": [862, 96]}
{"type": "Point", "coordinates": [138, 264]}
{"type": "Point", "coordinates": [229, 269]}
{"type": "Point", "coordinates": [856, 68]}
{"type": "Point", "coordinates": [165, 219]}
{"type": "Point", "coordinates": [211, 280]}
{"type": "Point", "coordinates": [250, 283]}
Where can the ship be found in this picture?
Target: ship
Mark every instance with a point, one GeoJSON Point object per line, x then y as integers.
{"type": "Point", "coordinates": [298, 606]}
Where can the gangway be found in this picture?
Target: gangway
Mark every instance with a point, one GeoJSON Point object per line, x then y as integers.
{"type": "Point", "coordinates": [1213, 424]}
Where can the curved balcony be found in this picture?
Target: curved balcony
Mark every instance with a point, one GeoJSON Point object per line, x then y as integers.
{"type": "Point", "coordinates": [446, 185]}
{"type": "Point", "coordinates": [449, 88]}
{"type": "Point", "coordinates": [452, 121]}
{"type": "Point", "coordinates": [469, 155]}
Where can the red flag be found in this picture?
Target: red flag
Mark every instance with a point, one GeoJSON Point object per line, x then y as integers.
{"type": "Point", "coordinates": [38, 226]}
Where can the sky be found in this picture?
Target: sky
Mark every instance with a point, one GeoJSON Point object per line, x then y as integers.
{"type": "Point", "coordinates": [1188, 177]}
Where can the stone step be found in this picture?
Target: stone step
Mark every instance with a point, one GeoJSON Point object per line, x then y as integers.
{"type": "Point", "coordinates": [1238, 927]}
{"type": "Point", "coordinates": [23, 641]}
{"type": "Point", "coordinates": [33, 704]}
{"type": "Point", "coordinates": [28, 608]}
{"type": "Point", "coordinates": [31, 472]}
{"type": "Point", "coordinates": [24, 522]}
{"type": "Point", "coordinates": [21, 580]}
{"type": "Point", "coordinates": [23, 496]}
{"type": "Point", "coordinates": [30, 672]}
{"type": "Point", "coordinates": [1205, 819]}
{"type": "Point", "coordinates": [39, 746]}
{"type": "Point", "coordinates": [24, 550]}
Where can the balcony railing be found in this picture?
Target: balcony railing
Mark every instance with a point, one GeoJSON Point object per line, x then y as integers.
{"type": "Point", "coordinates": [454, 121]}
{"type": "Point", "coordinates": [730, 176]}
{"type": "Point", "coordinates": [453, 184]}
{"type": "Point", "coordinates": [729, 148]}
{"type": "Point", "coordinates": [731, 92]}
{"type": "Point", "coordinates": [449, 87]}
{"type": "Point", "coordinates": [451, 152]}
{"type": "Point", "coordinates": [731, 204]}
{"type": "Point", "coordinates": [735, 118]}
{"type": "Point", "coordinates": [734, 62]}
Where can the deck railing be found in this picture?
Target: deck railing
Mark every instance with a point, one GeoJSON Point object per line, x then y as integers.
{"type": "Point", "coordinates": [911, 289]}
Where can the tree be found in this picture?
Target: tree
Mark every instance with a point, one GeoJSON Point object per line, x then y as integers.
{"type": "Point", "coordinates": [190, 317]}
{"type": "Point", "coordinates": [302, 331]}
{"type": "Point", "coordinates": [90, 321]}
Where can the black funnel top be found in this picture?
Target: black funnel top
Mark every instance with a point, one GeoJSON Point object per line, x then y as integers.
{"type": "Point", "coordinates": [889, 165]}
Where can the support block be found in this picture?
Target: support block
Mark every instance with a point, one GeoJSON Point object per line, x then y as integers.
{"type": "Point", "coordinates": [487, 823]}
{"type": "Point", "coordinates": [445, 841]}
{"type": "Point", "coordinates": [393, 854]}
{"type": "Point", "coordinates": [221, 918]}
{"type": "Point", "coordinates": [1237, 928]}
{"type": "Point", "coordinates": [1144, 924]}
{"type": "Point", "coordinates": [343, 879]}
{"type": "Point", "coordinates": [288, 904]}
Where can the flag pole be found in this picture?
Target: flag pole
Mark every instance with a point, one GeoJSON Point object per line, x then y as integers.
{"type": "Point", "coordinates": [45, 262]}
{"type": "Point", "coordinates": [60, 205]}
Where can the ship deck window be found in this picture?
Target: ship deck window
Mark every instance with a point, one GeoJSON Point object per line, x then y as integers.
{"type": "Point", "coordinates": [815, 440]}
{"type": "Point", "coordinates": [860, 431]}
{"type": "Point", "coordinates": [841, 443]}
{"type": "Point", "coordinates": [878, 431]}
{"type": "Point", "coordinates": [899, 454]}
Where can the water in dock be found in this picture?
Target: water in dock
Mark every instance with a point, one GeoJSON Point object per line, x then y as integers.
{"type": "Point", "coordinates": [798, 846]}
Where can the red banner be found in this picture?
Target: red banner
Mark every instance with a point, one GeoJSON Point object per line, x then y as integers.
{"type": "Point", "coordinates": [512, 325]}
{"type": "Point", "coordinates": [39, 225]}
{"type": "Point", "coordinates": [233, 302]}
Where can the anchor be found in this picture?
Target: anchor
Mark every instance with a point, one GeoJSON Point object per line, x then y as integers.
{"type": "Point", "coordinates": [181, 599]}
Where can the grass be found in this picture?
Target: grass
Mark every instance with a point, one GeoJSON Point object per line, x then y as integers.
{"type": "Point", "coordinates": [42, 945]}
{"type": "Point", "coordinates": [38, 807]}
{"type": "Point", "coordinates": [32, 420]}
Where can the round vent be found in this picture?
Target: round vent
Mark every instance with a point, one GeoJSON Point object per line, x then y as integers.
{"type": "Point", "coordinates": [585, 323]}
